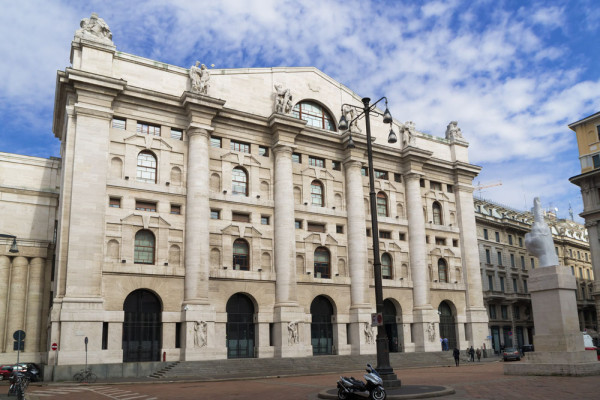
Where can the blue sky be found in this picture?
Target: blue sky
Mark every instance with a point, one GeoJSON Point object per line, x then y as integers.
{"type": "Point", "coordinates": [514, 74]}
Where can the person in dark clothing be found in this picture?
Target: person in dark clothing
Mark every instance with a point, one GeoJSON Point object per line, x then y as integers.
{"type": "Point", "coordinates": [478, 352]}
{"type": "Point", "coordinates": [472, 354]}
{"type": "Point", "coordinates": [456, 354]}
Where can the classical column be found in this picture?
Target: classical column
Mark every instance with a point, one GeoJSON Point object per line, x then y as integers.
{"type": "Point", "coordinates": [477, 319]}
{"type": "Point", "coordinates": [416, 241]}
{"type": "Point", "coordinates": [197, 259]}
{"type": "Point", "coordinates": [357, 227]}
{"type": "Point", "coordinates": [16, 300]}
{"type": "Point", "coordinates": [285, 234]}
{"type": "Point", "coordinates": [34, 305]}
{"type": "Point", "coordinates": [4, 274]}
{"type": "Point", "coordinates": [594, 237]}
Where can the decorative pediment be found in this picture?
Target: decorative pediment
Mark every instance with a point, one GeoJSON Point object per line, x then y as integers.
{"type": "Point", "coordinates": [436, 195]}
{"type": "Point", "coordinates": [310, 172]}
{"type": "Point", "coordinates": [322, 239]}
{"type": "Point", "coordinates": [251, 231]}
{"type": "Point", "coordinates": [436, 252]}
{"type": "Point", "coordinates": [394, 247]}
{"type": "Point", "coordinates": [241, 159]}
{"type": "Point", "coordinates": [147, 221]}
{"type": "Point", "coordinates": [449, 253]}
{"type": "Point", "coordinates": [149, 142]}
{"type": "Point", "coordinates": [313, 238]}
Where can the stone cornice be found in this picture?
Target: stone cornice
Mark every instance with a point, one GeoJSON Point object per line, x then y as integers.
{"type": "Point", "coordinates": [200, 109]}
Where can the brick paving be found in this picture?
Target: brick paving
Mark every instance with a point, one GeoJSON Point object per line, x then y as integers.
{"type": "Point", "coordinates": [471, 381]}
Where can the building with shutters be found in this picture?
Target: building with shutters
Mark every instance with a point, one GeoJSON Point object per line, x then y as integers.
{"type": "Point", "coordinates": [211, 214]}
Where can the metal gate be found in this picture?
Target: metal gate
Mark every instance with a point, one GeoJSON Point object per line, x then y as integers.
{"type": "Point", "coordinates": [142, 327]}
{"type": "Point", "coordinates": [447, 324]}
{"type": "Point", "coordinates": [391, 327]}
{"type": "Point", "coordinates": [240, 327]}
{"type": "Point", "coordinates": [321, 329]}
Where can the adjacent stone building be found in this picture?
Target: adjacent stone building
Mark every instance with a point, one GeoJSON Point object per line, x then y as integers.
{"type": "Point", "coordinates": [207, 214]}
{"type": "Point", "coordinates": [505, 266]}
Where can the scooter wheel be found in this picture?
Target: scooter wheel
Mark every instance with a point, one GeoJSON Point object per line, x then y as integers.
{"type": "Point", "coordinates": [342, 394]}
{"type": "Point", "coordinates": [378, 394]}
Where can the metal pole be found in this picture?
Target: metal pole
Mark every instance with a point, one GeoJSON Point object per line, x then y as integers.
{"type": "Point", "coordinates": [383, 354]}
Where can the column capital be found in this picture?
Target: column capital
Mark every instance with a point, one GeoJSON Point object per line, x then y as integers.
{"type": "Point", "coordinates": [413, 175]}
{"type": "Point", "coordinates": [462, 187]}
{"type": "Point", "coordinates": [194, 130]}
{"type": "Point", "coordinates": [283, 149]}
{"type": "Point", "coordinates": [352, 163]}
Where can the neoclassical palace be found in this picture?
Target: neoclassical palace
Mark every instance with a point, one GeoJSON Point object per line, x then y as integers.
{"type": "Point", "coordinates": [220, 213]}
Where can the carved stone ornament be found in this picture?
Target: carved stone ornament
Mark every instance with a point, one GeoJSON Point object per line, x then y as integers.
{"type": "Point", "coordinates": [453, 132]}
{"type": "Point", "coordinates": [539, 241]}
{"type": "Point", "coordinates": [350, 114]}
{"type": "Point", "coordinates": [94, 29]}
{"type": "Point", "coordinates": [408, 131]}
{"type": "Point", "coordinates": [200, 333]}
{"type": "Point", "coordinates": [369, 336]}
{"type": "Point", "coordinates": [283, 99]}
{"type": "Point", "coordinates": [293, 335]}
{"type": "Point", "coordinates": [431, 331]}
{"type": "Point", "coordinates": [200, 78]}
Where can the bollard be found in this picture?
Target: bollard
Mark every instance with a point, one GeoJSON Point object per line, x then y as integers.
{"type": "Point", "coordinates": [164, 356]}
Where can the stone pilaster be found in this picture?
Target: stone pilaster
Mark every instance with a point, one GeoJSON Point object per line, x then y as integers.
{"type": "Point", "coordinates": [594, 240]}
{"type": "Point", "coordinates": [16, 299]}
{"type": "Point", "coordinates": [34, 305]}
{"type": "Point", "coordinates": [4, 274]}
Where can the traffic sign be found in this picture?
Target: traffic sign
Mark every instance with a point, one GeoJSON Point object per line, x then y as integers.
{"type": "Point", "coordinates": [19, 335]}
{"type": "Point", "coordinates": [376, 319]}
{"type": "Point", "coordinates": [54, 346]}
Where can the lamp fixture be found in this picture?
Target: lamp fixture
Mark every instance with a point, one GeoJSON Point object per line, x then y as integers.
{"type": "Point", "coordinates": [337, 274]}
{"type": "Point", "coordinates": [308, 273]}
{"type": "Point", "coordinates": [343, 125]}
{"type": "Point", "coordinates": [392, 138]}
{"type": "Point", "coordinates": [259, 270]}
{"type": "Point", "coordinates": [225, 191]}
{"type": "Point", "coordinates": [350, 144]}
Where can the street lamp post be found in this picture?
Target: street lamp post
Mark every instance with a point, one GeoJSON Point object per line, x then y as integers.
{"type": "Point", "coordinates": [13, 247]}
{"type": "Point", "coordinates": [383, 355]}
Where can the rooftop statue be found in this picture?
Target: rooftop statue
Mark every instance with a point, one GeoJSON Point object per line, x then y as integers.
{"type": "Point", "coordinates": [350, 114]}
{"type": "Point", "coordinates": [200, 78]}
{"type": "Point", "coordinates": [408, 132]}
{"type": "Point", "coordinates": [453, 131]}
{"type": "Point", "coordinates": [283, 99]}
{"type": "Point", "coordinates": [95, 29]}
{"type": "Point", "coordinates": [539, 241]}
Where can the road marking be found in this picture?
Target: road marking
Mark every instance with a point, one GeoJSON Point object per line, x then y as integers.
{"type": "Point", "coordinates": [106, 391]}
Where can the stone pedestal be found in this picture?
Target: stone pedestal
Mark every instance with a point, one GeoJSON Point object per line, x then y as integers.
{"type": "Point", "coordinates": [291, 331]}
{"type": "Point", "coordinates": [559, 348]}
{"type": "Point", "coordinates": [201, 338]}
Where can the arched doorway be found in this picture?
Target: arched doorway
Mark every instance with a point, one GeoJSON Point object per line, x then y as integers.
{"type": "Point", "coordinates": [321, 329]}
{"type": "Point", "coordinates": [240, 327]}
{"type": "Point", "coordinates": [142, 327]}
{"type": "Point", "coordinates": [391, 327]}
{"type": "Point", "coordinates": [447, 324]}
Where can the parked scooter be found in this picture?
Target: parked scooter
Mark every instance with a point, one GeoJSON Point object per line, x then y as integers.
{"type": "Point", "coordinates": [350, 388]}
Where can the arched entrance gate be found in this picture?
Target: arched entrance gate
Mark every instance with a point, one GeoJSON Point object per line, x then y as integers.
{"type": "Point", "coordinates": [142, 327]}
{"type": "Point", "coordinates": [447, 324]}
{"type": "Point", "coordinates": [240, 327]}
{"type": "Point", "coordinates": [321, 328]}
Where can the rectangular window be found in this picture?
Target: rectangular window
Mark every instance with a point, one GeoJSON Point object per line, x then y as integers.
{"type": "Point", "coordinates": [502, 284]}
{"type": "Point", "coordinates": [514, 285]}
{"type": "Point", "coordinates": [556, 250]}
{"type": "Point", "coordinates": [586, 257]}
{"type": "Point", "coordinates": [339, 229]}
{"type": "Point", "coordinates": [517, 312]}
{"type": "Point", "coordinates": [397, 177]}
{"type": "Point", "coordinates": [450, 188]}
{"type": "Point", "coordinates": [145, 206]}
{"type": "Point", "coordinates": [522, 262]}
{"type": "Point", "coordinates": [532, 263]}
{"type": "Point", "coordinates": [492, 311]}
{"type": "Point", "coordinates": [175, 209]}
{"type": "Point", "coordinates": [510, 239]}
{"type": "Point", "coordinates": [316, 162]}
{"type": "Point", "coordinates": [498, 237]}
{"type": "Point", "coordinates": [104, 335]}
{"type": "Point", "coordinates": [148, 129]}
{"type": "Point", "coordinates": [215, 142]}
{"type": "Point", "coordinates": [263, 151]}
{"type": "Point", "coordinates": [176, 134]}
{"type": "Point", "coordinates": [402, 236]}
{"type": "Point", "coordinates": [296, 158]}
{"type": "Point", "coordinates": [114, 202]}
{"type": "Point", "coordinates": [525, 286]}
{"type": "Point", "coordinates": [422, 182]}
{"type": "Point", "coordinates": [520, 242]}
{"type": "Point", "coordinates": [580, 272]}
{"type": "Point", "coordinates": [488, 257]}
{"type": "Point", "coordinates": [440, 241]}
{"type": "Point", "coordinates": [385, 234]}
{"type": "Point", "coordinates": [512, 260]}
{"type": "Point", "coordinates": [336, 165]}
{"type": "Point", "coordinates": [177, 335]}
{"type": "Point", "coordinates": [368, 232]}
{"type": "Point", "coordinates": [435, 185]}
{"type": "Point", "coordinates": [215, 214]}
{"type": "Point", "coordinates": [119, 123]}
{"type": "Point", "coordinates": [571, 253]}
{"type": "Point", "coordinates": [588, 274]}
{"type": "Point", "coordinates": [381, 174]}
{"type": "Point", "coordinates": [504, 311]}
{"type": "Point", "coordinates": [578, 255]}
{"type": "Point", "coordinates": [364, 171]}
{"type": "Point", "coordinates": [499, 254]}
{"type": "Point", "coordinates": [240, 217]}
{"type": "Point", "coordinates": [490, 282]}
{"type": "Point", "coordinates": [454, 242]}
{"type": "Point", "coordinates": [596, 161]}
{"type": "Point", "coordinates": [485, 234]}
{"type": "Point", "coordinates": [298, 224]}
{"type": "Point", "coordinates": [264, 220]}
{"type": "Point", "coordinates": [572, 270]}
{"type": "Point", "coordinates": [239, 146]}
{"type": "Point", "coordinates": [312, 227]}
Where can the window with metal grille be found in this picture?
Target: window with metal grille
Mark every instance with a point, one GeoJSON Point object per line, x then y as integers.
{"type": "Point", "coordinates": [146, 167]}
{"type": "Point", "coordinates": [144, 247]}
{"type": "Point", "coordinates": [145, 206]}
{"type": "Point", "coordinates": [114, 202]}
{"type": "Point", "coordinates": [435, 185]}
{"type": "Point", "coordinates": [386, 266]}
{"type": "Point", "coordinates": [148, 129]}
{"type": "Point", "coordinates": [239, 181]}
{"type": "Point", "coordinates": [239, 146]}
{"type": "Point", "coordinates": [385, 234]}
{"type": "Point", "coordinates": [440, 241]}
{"type": "Point", "coordinates": [437, 213]}
{"type": "Point", "coordinates": [240, 255]}
{"type": "Point", "coordinates": [382, 208]}
{"type": "Point", "coordinates": [322, 266]}
{"type": "Point", "coordinates": [316, 162]}
{"type": "Point", "coordinates": [316, 193]}
{"type": "Point", "coordinates": [175, 209]}
{"type": "Point", "coordinates": [314, 115]}
{"type": "Point", "coordinates": [442, 270]}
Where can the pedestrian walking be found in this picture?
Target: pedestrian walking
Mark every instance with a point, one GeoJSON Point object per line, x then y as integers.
{"type": "Point", "coordinates": [478, 352]}
{"type": "Point", "coordinates": [446, 347]}
{"type": "Point", "coordinates": [456, 354]}
{"type": "Point", "coordinates": [471, 354]}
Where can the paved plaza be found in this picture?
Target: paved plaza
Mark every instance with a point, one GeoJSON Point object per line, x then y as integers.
{"type": "Point", "coordinates": [470, 381]}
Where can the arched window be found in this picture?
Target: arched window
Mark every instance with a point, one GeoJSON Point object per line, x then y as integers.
{"type": "Point", "coordinates": [144, 247]}
{"type": "Point", "coordinates": [382, 209]}
{"type": "Point", "coordinates": [322, 264]}
{"type": "Point", "coordinates": [239, 181]}
{"type": "Point", "coordinates": [316, 193]}
{"type": "Point", "coordinates": [146, 167]}
{"type": "Point", "coordinates": [241, 255]}
{"type": "Point", "coordinates": [386, 266]}
{"type": "Point", "coordinates": [314, 115]}
{"type": "Point", "coordinates": [442, 270]}
{"type": "Point", "coordinates": [437, 213]}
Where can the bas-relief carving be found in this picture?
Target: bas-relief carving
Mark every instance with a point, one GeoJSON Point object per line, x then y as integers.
{"type": "Point", "coordinates": [94, 29]}
{"type": "Point", "coordinates": [200, 78]}
{"type": "Point", "coordinates": [200, 338]}
{"type": "Point", "coordinates": [369, 336]}
{"type": "Point", "coordinates": [293, 333]}
{"type": "Point", "coordinates": [283, 99]}
{"type": "Point", "coordinates": [539, 241]}
{"type": "Point", "coordinates": [431, 331]}
{"type": "Point", "coordinates": [453, 132]}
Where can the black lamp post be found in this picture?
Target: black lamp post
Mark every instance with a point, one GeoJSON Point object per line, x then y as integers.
{"type": "Point", "coordinates": [383, 354]}
{"type": "Point", "coordinates": [13, 247]}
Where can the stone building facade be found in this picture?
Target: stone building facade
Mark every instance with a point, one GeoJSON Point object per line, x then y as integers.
{"type": "Point", "coordinates": [208, 214]}
{"type": "Point", "coordinates": [505, 266]}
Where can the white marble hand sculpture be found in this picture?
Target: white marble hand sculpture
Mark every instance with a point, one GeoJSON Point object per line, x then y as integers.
{"type": "Point", "coordinates": [539, 241]}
